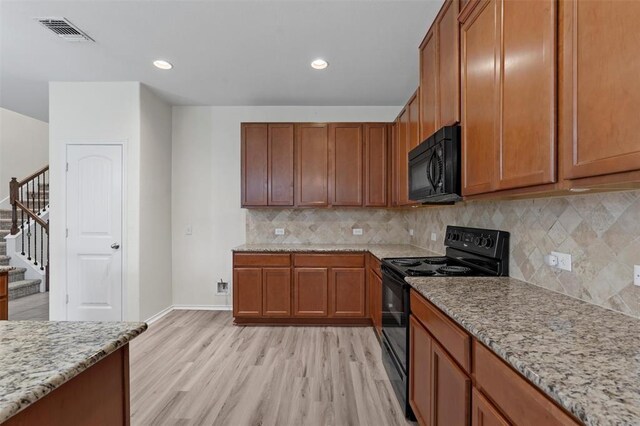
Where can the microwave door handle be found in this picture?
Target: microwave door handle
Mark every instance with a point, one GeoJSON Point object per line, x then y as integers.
{"type": "Point", "coordinates": [429, 172]}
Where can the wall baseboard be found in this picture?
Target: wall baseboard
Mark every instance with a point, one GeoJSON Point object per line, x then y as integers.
{"type": "Point", "coordinates": [202, 307]}
{"type": "Point", "coordinates": [159, 315]}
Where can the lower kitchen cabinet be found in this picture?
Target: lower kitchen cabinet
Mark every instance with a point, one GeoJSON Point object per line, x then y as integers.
{"type": "Point", "coordinates": [311, 292]}
{"type": "Point", "coordinates": [483, 413]}
{"type": "Point", "coordinates": [276, 292]}
{"type": "Point", "coordinates": [4, 296]}
{"type": "Point", "coordinates": [247, 292]}
{"type": "Point", "coordinates": [420, 347]}
{"type": "Point", "coordinates": [375, 300]}
{"type": "Point", "coordinates": [348, 292]}
{"type": "Point", "coordinates": [451, 390]}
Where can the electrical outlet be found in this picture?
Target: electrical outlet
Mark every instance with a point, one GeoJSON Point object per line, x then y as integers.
{"type": "Point", "coordinates": [434, 236]}
{"type": "Point", "coordinates": [411, 232]}
{"type": "Point", "coordinates": [188, 230]}
{"type": "Point", "coordinates": [636, 275]}
{"type": "Point", "coordinates": [564, 260]}
{"type": "Point", "coordinates": [357, 231]}
{"type": "Point", "coordinates": [279, 231]}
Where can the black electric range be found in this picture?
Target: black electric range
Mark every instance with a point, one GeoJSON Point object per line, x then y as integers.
{"type": "Point", "coordinates": [469, 252]}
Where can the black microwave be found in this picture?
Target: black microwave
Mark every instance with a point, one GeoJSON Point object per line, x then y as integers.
{"type": "Point", "coordinates": [434, 168]}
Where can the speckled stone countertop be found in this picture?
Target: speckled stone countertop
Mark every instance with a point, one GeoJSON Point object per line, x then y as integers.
{"type": "Point", "coordinates": [37, 357]}
{"type": "Point", "coordinates": [584, 357]}
{"type": "Point", "coordinates": [378, 250]}
{"type": "Point", "coordinates": [6, 268]}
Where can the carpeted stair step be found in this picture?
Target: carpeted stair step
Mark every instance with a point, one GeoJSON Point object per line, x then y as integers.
{"type": "Point", "coordinates": [17, 274]}
{"type": "Point", "coordinates": [5, 224]}
{"type": "Point", "coordinates": [4, 233]}
{"type": "Point", "coordinates": [23, 288]}
{"type": "Point", "coordinates": [4, 260]}
{"type": "Point", "coordinates": [5, 214]}
{"type": "Point", "coordinates": [3, 248]}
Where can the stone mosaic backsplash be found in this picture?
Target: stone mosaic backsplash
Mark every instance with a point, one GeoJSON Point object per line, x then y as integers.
{"type": "Point", "coordinates": [327, 226]}
{"type": "Point", "coordinates": [600, 231]}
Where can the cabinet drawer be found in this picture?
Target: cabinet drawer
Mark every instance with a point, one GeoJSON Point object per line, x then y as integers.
{"type": "Point", "coordinates": [456, 341]}
{"type": "Point", "coordinates": [374, 264]}
{"type": "Point", "coordinates": [329, 260]}
{"type": "Point", "coordinates": [261, 259]}
{"type": "Point", "coordinates": [516, 397]}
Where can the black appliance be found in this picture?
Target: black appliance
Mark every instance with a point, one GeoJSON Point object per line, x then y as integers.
{"type": "Point", "coordinates": [434, 168]}
{"type": "Point", "coordinates": [470, 252]}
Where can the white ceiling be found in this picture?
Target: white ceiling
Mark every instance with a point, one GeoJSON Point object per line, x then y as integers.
{"type": "Point", "coordinates": [224, 52]}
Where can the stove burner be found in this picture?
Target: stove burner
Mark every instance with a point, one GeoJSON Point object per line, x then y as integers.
{"type": "Point", "coordinates": [406, 262]}
{"type": "Point", "coordinates": [419, 273]}
{"type": "Point", "coordinates": [436, 260]}
{"type": "Point", "coordinates": [454, 270]}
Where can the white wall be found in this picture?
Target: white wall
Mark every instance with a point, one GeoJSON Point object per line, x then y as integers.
{"type": "Point", "coordinates": [94, 113]}
{"type": "Point", "coordinates": [24, 148]}
{"type": "Point", "coordinates": [155, 204]}
{"type": "Point", "coordinates": [206, 188]}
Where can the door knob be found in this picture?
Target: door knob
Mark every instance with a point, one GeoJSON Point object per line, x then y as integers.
{"type": "Point", "coordinates": [115, 246]}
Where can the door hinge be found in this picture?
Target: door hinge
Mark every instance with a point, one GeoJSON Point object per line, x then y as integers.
{"type": "Point", "coordinates": [67, 301]}
{"type": "Point", "coordinates": [67, 167]}
{"type": "Point", "coordinates": [67, 233]}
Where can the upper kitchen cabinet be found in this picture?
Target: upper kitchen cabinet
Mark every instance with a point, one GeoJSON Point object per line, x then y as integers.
{"type": "Point", "coordinates": [267, 164]}
{"type": "Point", "coordinates": [406, 137]}
{"type": "Point", "coordinates": [508, 95]}
{"type": "Point", "coordinates": [440, 72]}
{"type": "Point", "coordinates": [376, 164]}
{"type": "Point", "coordinates": [600, 89]}
{"type": "Point", "coordinates": [312, 165]}
{"type": "Point", "coordinates": [346, 155]}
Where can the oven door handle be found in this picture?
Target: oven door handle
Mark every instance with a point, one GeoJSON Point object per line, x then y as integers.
{"type": "Point", "coordinates": [389, 272]}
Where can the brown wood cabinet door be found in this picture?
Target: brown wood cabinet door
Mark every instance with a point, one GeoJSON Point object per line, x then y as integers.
{"type": "Point", "coordinates": [402, 159]}
{"type": "Point", "coordinates": [480, 90]}
{"type": "Point", "coordinates": [428, 86]}
{"type": "Point", "coordinates": [311, 292]}
{"type": "Point", "coordinates": [375, 165]}
{"type": "Point", "coordinates": [346, 153]}
{"type": "Point", "coordinates": [254, 164]}
{"type": "Point", "coordinates": [375, 300]}
{"type": "Point", "coordinates": [276, 292]}
{"type": "Point", "coordinates": [393, 173]}
{"type": "Point", "coordinates": [451, 391]}
{"type": "Point", "coordinates": [483, 413]}
{"type": "Point", "coordinates": [348, 292]}
{"type": "Point", "coordinates": [247, 292]}
{"type": "Point", "coordinates": [448, 64]}
{"type": "Point", "coordinates": [420, 347]}
{"type": "Point", "coordinates": [527, 141]}
{"type": "Point", "coordinates": [280, 165]}
{"type": "Point", "coordinates": [312, 165]}
{"type": "Point", "coordinates": [601, 90]}
{"type": "Point", "coordinates": [414, 122]}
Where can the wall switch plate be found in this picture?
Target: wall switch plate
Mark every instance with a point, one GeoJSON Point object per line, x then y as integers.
{"type": "Point", "coordinates": [434, 236]}
{"type": "Point", "coordinates": [188, 230]}
{"type": "Point", "coordinates": [636, 275]}
{"type": "Point", "coordinates": [279, 231]}
{"type": "Point", "coordinates": [357, 231]}
{"type": "Point", "coordinates": [564, 260]}
{"type": "Point", "coordinates": [411, 232]}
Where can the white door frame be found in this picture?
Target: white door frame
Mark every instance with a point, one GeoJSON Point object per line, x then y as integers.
{"type": "Point", "coordinates": [124, 244]}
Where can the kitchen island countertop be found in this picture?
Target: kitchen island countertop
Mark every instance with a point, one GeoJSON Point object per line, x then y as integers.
{"type": "Point", "coordinates": [36, 357]}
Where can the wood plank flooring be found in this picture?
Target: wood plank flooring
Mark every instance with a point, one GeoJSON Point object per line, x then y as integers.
{"type": "Point", "coordinates": [34, 307]}
{"type": "Point", "coordinates": [196, 368]}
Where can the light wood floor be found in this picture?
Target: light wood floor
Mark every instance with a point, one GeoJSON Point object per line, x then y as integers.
{"type": "Point", "coordinates": [195, 367]}
{"type": "Point", "coordinates": [34, 307]}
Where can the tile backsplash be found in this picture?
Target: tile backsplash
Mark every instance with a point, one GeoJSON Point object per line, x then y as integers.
{"type": "Point", "coordinates": [330, 226]}
{"type": "Point", "coordinates": [600, 231]}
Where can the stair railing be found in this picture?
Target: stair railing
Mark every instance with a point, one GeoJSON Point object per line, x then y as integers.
{"type": "Point", "coordinates": [29, 199]}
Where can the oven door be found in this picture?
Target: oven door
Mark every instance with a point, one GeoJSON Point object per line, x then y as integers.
{"type": "Point", "coordinates": [395, 314]}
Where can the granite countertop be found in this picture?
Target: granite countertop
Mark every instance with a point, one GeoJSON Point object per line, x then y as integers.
{"type": "Point", "coordinates": [6, 268]}
{"type": "Point", "coordinates": [584, 357]}
{"type": "Point", "coordinates": [378, 250]}
{"type": "Point", "coordinates": [37, 357]}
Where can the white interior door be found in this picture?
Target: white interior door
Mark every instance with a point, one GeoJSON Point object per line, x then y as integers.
{"type": "Point", "coordinates": [94, 226]}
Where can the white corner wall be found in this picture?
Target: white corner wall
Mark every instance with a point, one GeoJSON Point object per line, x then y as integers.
{"type": "Point", "coordinates": [155, 204]}
{"type": "Point", "coordinates": [206, 188]}
{"type": "Point", "coordinates": [94, 113]}
{"type": "Point", "coordinates": [24, 148]}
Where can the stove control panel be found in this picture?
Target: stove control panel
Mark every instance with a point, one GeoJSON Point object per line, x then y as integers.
{"type": "Point", "coordinates": [486, 242]}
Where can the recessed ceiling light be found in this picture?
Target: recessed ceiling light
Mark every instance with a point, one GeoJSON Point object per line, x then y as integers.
{"type": "Point", "coordinates": [319, 64]}
{"type": "Point", "coordinates": [163, 65]}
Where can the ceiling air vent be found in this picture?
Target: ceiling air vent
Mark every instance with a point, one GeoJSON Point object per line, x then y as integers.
{"type": "Point", "coordinates": [64, 29]}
